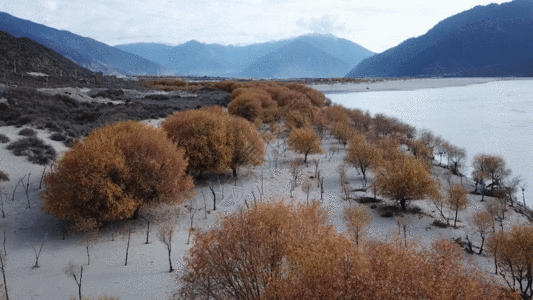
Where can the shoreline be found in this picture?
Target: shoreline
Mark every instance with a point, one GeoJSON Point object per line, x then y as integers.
{"type": "Point", "coordinates": [404, 84]}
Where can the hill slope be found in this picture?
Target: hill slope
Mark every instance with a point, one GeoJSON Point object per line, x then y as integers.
{"type": "Point", "coordinates": [492, 40]}
{"type": "Point", "coordinates": [24, 55]}
{"type": "Point", "coordinates": [195, 58]}
{"type": "Point", "coordinates": [86, 52]}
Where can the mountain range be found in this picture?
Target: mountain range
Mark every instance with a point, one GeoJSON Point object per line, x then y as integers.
{"type": "Point", "coordinates": [22, 55]}
{"type": "Point", "coordinates": [492, 40]}
{"type": "Point", "coordinates": [86, 52]}
{"type": "Point", "coordinates": [312, 55]}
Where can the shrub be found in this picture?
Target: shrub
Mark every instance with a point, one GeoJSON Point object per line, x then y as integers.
{"type": "Point", "coordinates": [247, 145]}
{"type": "Point", "coordinates": [27, 132]}
{"type": "Point", "coordinates": [281, 251]}
{"type": "Point", "coordinates": [57, 137]}
{"type": "Point", "coordinates": [35, 149]}
{"type": "Point", "coordinates": [246, 106]}
{"type": "Point", "coordinates": [115, 171]}
{"type": "Point", "coordinates": [4, 139]}
{"type": "Point", "coordinates": [3, 176]}
{"type": "Point", "coordinates": [203, 134]}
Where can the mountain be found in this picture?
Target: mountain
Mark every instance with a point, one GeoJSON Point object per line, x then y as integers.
{"type": "Point", "coordinates": [86, 52]}
{"type": "Point", "coordinates": [297, 60]}
{"type": "Point", "coordinates": [492, 40]}
{"type": "Point", "coordinates": [195, 58]}
{"type": "Point", "coordinates": [30, 56]}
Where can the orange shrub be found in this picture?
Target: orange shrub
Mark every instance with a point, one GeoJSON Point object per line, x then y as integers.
{"type": "Point", "coordinates": [305, 141]}
{"type": "Point", "coordinates": [204, 136]}
{"type": "Point", "coordinates": [247, 144]}
{"type": "Point", "coordinates": [115, 171]}
{"type": "Point", "coordinates": [245, 105]}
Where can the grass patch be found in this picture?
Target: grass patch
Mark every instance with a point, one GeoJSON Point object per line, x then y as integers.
{"type": "Point", "coordinates": [35, 149]}
{"type": "Point", "coordinates": [57, 137]}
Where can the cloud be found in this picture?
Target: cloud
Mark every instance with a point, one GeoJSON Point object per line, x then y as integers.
{"type": "Point", "coordinates": [51, 5]}
{"type": "Point", "coordinates": [325, 24]}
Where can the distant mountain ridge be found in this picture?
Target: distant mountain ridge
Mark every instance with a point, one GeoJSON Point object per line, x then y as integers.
{"type": "Point", "coordinates": [86, 52]}
{"type": "Point", "coordinates": [492, 40]}
{"type": "Point", "coordinates": [22, 55]}
{"type": "Point", "coordinates": [312, 55]}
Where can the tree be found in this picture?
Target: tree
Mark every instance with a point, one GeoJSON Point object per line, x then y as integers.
{"type": "Point", "coordinates": [357, 219]}
{"type": "Point", "coordinates": [342, 131]}
{"type": "Point", "coordinates": [89, 239]}
{"type": "Point", "coordinates": [282, 251]}
{"type": "Point", "coordinates": [483, 221]}
{"type": "Point", "coordinates": [305, 141]}
{"type": "Point", "coordinates": [457, 199]}
{"type": "Point", "coordinates": [362, 155]}
{"type": "Point", "coordinates": [71, 271]}
{"type": "Point", "coordinates": [126, 234]}
{"type": "Point", "coordinates": [457, 156]}
{"type": "Point", "coordinates": [246, 105]}
{"type": "Point", "coordinates": [246, 143]}
{"type": "Point", "coordinates": [165, 234]}
{"type": "Point", "coordinates": [515, 258]}
{"type": "Point", "coordinates": [307, 187]}
{"type": "Point", "coordinates": [203, 134]}
{"type": "Point", "coordinates": [405, 179]}
{"type": "Point", "coordinates": [3, 269]}
{"type": "Point", "coordinates": [113, 172]}
{"type": "Point", "coordinates": [492, 166]}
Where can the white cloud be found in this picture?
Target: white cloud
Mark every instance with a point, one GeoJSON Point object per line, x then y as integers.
{"type": "Point", "coordinates": [325, 24]}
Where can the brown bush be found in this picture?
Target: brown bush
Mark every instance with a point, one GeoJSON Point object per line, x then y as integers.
{"type": "Point", "coordinates": [305, 141]}
{"type": "Point", "coordinates": [343, 132]}
{"type": "Point", "coordinates": [247, 145]}
{"type": "Point", "coordinates": [204, 136]}
{"type": "Point", "coordinates": [115, 171]}
{"type": "Point", "coordinates": [281, 251]}
{"type": "Point", "coordinates": [404, 179]}
{"type": "Point", "coordinates": [245, 106]}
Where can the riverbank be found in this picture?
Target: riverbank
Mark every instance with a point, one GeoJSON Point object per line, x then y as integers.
{"type": "Point", "coordinates": [401, 84]}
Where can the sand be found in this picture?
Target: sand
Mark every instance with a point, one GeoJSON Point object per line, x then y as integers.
{"type": "Point", "coordinates": [400, 84]}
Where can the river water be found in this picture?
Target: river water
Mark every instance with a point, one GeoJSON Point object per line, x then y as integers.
{"type": "Point", "coordinates": [493, 118]}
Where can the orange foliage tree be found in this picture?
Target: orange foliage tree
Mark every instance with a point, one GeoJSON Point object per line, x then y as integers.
{"type": "Point", "coordinates": [404, 179]}
{"type": "Point", "coordinates": [282, 251]}
{"type": "Point", "coordinates": [362, 155]}
{"type": "Point", "coordinates": [457, 199]}
{"type": "Point", "coordinates": [204, 136]}
{"type": "Point", "coordinates": [115, 171]}
{"type": "Point", "coordinates": [247, 145]}
{"type": "Point", "coordinates": [513, 253]}
{"type": "Point", "coordinates": [305, 141]}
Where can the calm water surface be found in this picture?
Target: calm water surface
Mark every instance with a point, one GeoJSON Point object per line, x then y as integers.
{"type": "Point", "coordinates": [493, 118]}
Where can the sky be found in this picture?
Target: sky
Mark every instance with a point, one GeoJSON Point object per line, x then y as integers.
{"type": "Point", "coordinates": [376, 25]}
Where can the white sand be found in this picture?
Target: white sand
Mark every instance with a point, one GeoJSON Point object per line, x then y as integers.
{"type": "Point", "coordinates": [146, 275]}
{"type": "Point", "coordinates": [400, 84]}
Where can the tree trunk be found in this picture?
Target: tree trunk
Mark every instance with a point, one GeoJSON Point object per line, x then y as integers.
{"type": "Point", "coordinates": [403, 203]}
{"type": "Point", "coordinates": [170, 261]}
{"type": "Point", "coordinates": [136, 213]}
{"type": "Point", "coordinates": [455, 221]}
{"type": "Point", "coordinates": [88, 256]}
{"type": "Point", "coordinates": [234, 172]}
{"type": "Point", "coordinates": [305, 158]}
{"type": "Point", "coordinates": [147, 232]}
{"type": "Point", "coordinates": [482, 243]}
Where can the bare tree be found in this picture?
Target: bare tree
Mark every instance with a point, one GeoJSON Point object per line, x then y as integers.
{"type": "Point", "coordinates": [403, 223]}
{"type": "Point", "coordinates": [165, 234]}
{"type": "Point", "coordinates": [37, 254]}
{"type": "Point", "coordinates": [2, 203]}
{"type": "Point", "coordinates": [71, 271]}
{"type": "Point", "coordinates": [523, 186]}
{"type": "Point", "coordinates": [26, 189]}
{"type": "Point", "coordinates": [3, 228]}
{"type": "Point", "coordinates": [127, 235]}
{"type": "Point", "coordinates": [89, 239]}
{"type": "Point", "coordinates": [3, 269]}
{"type": "Point", "coordinates": [307, 187]}
{"type": "Point", "coordinates": [191, 208]}
{"type": "Point", "coordinates": [15, 189]}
